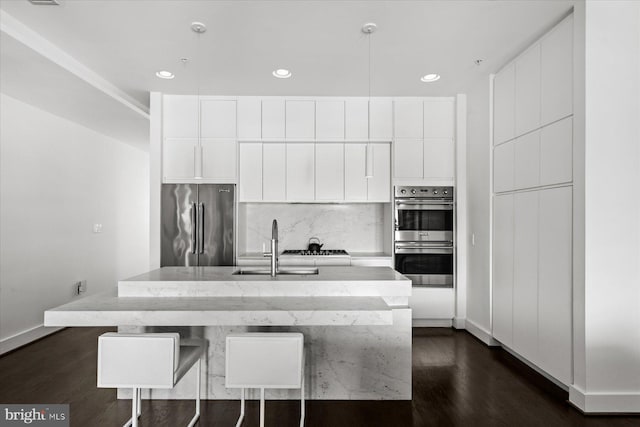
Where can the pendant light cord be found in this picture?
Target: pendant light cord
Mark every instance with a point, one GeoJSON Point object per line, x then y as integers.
{"type": "Point", "coordinates": [369, 148]}
{"type": "Point", "coordinates": [369, 83]}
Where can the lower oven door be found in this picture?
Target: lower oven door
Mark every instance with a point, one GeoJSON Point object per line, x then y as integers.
{"type": "Point", "coordinates": [425, 266]}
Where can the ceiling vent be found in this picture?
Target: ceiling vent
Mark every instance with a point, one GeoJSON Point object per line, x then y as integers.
{"type": "Point", "coordinates": [45, 2]}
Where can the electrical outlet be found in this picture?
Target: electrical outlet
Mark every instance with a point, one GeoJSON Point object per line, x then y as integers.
{"type": "Point", "coordinates": [80, 286]}
{"type": "Point", "coordinates": [97, 228]}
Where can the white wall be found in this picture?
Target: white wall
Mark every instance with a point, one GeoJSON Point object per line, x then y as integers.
{"type": "Point", "coordinates": [478, 201]}
{"type": "Point", "coordinates": [57, 180]}
{"type": "Point", "coordinates": [612, 230]}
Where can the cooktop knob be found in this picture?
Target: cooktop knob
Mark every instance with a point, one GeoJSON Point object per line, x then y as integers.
{"type": "Point", "coordinates": [435, 191]}
{"type": "Point", "coordinates": [413, 191]}
{"type": "Point", "coordinates": [445, 192]}
{"type": "Point", "coordinates": [403, 191]}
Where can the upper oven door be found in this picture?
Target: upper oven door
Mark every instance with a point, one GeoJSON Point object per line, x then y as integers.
{"type": "Point", "coordinates": [424, 220]}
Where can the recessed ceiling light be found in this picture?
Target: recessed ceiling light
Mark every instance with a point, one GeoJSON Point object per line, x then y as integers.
{"type": "Point", "coordinates": [281, 73]}
{"type": "Point", "coordinates": [165, 74]}
{"type": "Point", "coordinates": [430, 78]}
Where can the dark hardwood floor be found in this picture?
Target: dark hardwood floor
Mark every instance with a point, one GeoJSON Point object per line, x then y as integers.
{"type": "Point", "coordinates": [457, 381]}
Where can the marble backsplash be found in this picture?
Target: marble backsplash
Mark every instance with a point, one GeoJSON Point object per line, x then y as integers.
{"type": "Point", "coordinates": [363, 227]}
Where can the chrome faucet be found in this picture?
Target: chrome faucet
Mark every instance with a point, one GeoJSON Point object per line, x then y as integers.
{"type": "Point", "coordinates": [274, 248]}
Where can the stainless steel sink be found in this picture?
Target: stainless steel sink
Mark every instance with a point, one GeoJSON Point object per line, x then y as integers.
{"type": "Point", "coordinates": [282, 271]}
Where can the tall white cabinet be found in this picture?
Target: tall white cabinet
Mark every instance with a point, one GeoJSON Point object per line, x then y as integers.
{"type": "Point", "coordinates": [533, 203]}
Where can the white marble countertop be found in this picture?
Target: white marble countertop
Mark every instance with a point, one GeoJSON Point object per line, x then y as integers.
{"type": "Point", "coordinates": [107, 309]}
{"type": "Point", "coordinates": [208, 296]}
{"type": "Point", "coordinates": [221, 282]}
{"type": "Point", "coordinates": [225, 274]}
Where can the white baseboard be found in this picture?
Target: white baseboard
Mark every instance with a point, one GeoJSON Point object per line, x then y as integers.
{"type": "Point", "coordinates": [18, 340]}
{"type": "Point", "coordinates": [481, 333]}
{"type": "Point", "coordinates": [604, 403]}
{"type": "Point", "coordinates": [459, 322]}
{"type": "Point", "coordinates": [431, 323]}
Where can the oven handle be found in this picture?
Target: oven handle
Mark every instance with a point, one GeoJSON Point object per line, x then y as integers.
{"type": "Point", "coordinates": [421, 206]}
{"type": "Point", "coordinates": [424, 244]}
{"type": "Point", "coordinates": [422, 247]}
{"type": "Point", "coordinates": [423, 250]}
{"type": "Point", "coordinates": [424, 201]}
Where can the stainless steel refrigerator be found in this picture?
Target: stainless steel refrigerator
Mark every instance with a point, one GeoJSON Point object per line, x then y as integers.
{"type": "Point", "coordinates": [197, 224]}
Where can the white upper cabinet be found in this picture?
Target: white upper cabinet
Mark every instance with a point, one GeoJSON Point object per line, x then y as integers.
{"type": "Point", "coordinates": [274, 168]}
{"type": "Point", "coordinates": [300, 171]}
{"type": "Point", "coordinates": [557, 72]}
{"type": "Point", "coordinates": [218, 159]}
{"type": "Point", "coordinates": [249, 118]}
{"type": "Point", "coordinates": [424, 145]}
{"type": "Point", "coordinates": [199, 139]}
{"type": "Point", "coordinates": [330, 117]}
{"type": "Point", "coordinates": [408, 158]}
{"type": "Point", "coordinates": [273, 119]}
{"type": "Point", "coordinates": [355, 181]}
{"type": "Point", "coordinates": [504, 98]}
{"type": "Point", "coordinates": [250, 188]}
{"type": "Point", "coordinates": [527, 161]}
{"type": "Point", "coordinates": [527, 108]}
{"type": "Point", "coordinates": [180, 116]}
{"type": "Point", "coordinates": [439, 118]}
{"type": "Point", "coordinates": [379, 184]}
{"type": "Point", "coordinates": [179, 158]}
{"type": "Point", "coordinates": [438, 158]}
{"type": "Point", "coordinates": [380, 119]}
{"type": "Point", "coordinates": [329, 165]}
{"type": "Point", "coordinates": [217, 118]}
{"type": "Point", "coordinates": [556, 152]}
{"type": "Point", "coordinates": [300, 120]}
{"type": "Point", "coordinates": [357, 187]}
{"type": "Point", "coordinates": [408, 117]}
{"type": "Point", "coordinates": [356, 119]}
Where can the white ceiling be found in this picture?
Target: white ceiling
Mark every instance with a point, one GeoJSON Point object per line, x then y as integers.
{"type": "Point", "coordinates": [126, 42]}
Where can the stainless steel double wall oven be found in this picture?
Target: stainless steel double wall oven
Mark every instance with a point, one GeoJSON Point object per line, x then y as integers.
{"type": "Point", "coordinates": [424, 235]}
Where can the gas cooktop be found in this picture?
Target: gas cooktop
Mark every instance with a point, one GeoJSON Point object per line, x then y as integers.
{"type": "Point", "coordinates": [323, 252]}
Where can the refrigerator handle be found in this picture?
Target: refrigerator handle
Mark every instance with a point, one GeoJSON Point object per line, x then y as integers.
{"type": "Point", "coordinates": [201, 225]}
{"type": "Point", "coordinates": [194, 226]}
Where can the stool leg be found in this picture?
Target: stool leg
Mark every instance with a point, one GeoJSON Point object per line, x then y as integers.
{"type": "Point", "coordinates": [195, 418]}
{"type": "Point", "coordinates": [239, 423]}
{"type": "Point", "coordinates": [139, 402]}
{"type": "Point", "coordinates": [135, 411]}
{"type": "Point", "coordinates": [302, 401]}
{"type": "Point", "coordinates": [262, 407]}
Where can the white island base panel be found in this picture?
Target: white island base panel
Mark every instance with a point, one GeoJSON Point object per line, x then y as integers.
{"type": "Point", "coordinates": [342, 362]}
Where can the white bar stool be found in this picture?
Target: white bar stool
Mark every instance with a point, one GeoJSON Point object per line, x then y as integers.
{"type": "Point", "coordinates": [265, 360]}
{"type": "Point", "coordinates": [147, 360]}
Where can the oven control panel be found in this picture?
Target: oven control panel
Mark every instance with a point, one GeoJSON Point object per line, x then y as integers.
{"type": "Point", "coordinates": [424, 192]}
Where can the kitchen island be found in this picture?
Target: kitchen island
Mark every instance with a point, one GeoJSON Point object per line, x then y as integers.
{"type": "Point", "coordinates": [355, 320]}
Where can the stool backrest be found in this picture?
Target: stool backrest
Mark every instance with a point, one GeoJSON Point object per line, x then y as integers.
{"type": "Point", "coordinates": [138, 360]}
{"type": "Point", "coordinates": [269, 360]}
